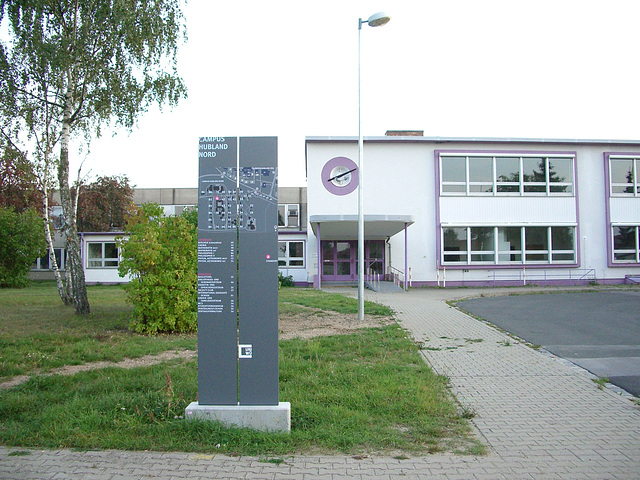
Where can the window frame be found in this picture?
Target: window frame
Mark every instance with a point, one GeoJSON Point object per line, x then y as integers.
{"type": "Point", "coordinates": [465, 188]}
{"type": "Point", "coordinates": [102, 259]}
{"type": "Point", "coordinates": [496, 253]}
{"type": "Point", "coordinates": [60, 254]}
{"type": "Point", "coordinates": [635, 184]}
{"type": "Point", "coordinates": [635, 252]}
{"type": "Point", "coordinates": [287, 259]}
{"type": "Point", "coordinates": [288, 207]}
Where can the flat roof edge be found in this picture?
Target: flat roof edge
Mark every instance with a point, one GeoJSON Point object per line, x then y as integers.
{"type": "Point", "coordinates": [444, 140]}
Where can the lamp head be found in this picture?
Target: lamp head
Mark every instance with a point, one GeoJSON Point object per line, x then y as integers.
{"type": "Point", "coordinates": [375, 20]}
{"type": "Point", "coordinates": [378, 19]}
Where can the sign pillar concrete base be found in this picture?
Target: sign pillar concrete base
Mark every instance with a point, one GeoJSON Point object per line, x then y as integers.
{"type": "Point", "coordinates": [266, 418]}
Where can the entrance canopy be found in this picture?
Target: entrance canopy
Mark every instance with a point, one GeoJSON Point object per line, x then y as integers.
{"type": "Point", "coordinates": [345, 227]}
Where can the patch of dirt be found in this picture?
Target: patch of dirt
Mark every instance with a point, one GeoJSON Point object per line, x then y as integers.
{"type": "Point", "coordinates": [126, 363]}
{"type": "Point", "coordinates": [306, 323]}
{"type": "Point", "coordinates": [311, 322]}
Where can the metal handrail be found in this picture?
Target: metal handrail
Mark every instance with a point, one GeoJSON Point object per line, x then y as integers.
{"type": "Point", "coordinates": [532, 275]}
{"type": "Point", "coordinates": [397, 275]}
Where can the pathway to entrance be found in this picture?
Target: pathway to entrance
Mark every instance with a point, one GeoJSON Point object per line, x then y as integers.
{"type": "Point", "coordinates": [541, 418]}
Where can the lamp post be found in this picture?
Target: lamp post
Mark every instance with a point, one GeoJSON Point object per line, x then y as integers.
{"type": "Point", "coordinates": [375, 20]}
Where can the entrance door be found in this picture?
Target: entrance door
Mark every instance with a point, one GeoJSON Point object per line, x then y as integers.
{"type": "Point", "coordinates": [340, 260]}
{"type": "Point", "coordinates": [374, 260]}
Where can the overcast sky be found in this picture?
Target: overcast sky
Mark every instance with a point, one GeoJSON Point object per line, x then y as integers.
{"type": "Point", "coordinates": [517, 68]}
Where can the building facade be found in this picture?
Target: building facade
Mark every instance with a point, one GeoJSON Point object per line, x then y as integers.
{"type": "Point", "coordinates": [101, 256]}
{"type": "Point", "coordinates": [450, 212]}
{"type": "Point", "coordinates": [442, 212]}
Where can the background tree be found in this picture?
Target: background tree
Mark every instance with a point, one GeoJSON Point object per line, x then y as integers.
{"type": "Point", "coordinates": [19, 188]}
{"type": "Point", "coordinates": [104, 204]}
{"type": "Point", "coordinates": [160, 256]}
{"type": "Point", "coordinates": [72, 67]}
{"type": "Point", "coordinates": [21, 243]}
{"type": "Point", "coordinates": [27, 184]}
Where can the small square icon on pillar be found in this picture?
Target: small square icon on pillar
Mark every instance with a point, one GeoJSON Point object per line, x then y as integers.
{"type": "Point", "coordinates": [245, 351]}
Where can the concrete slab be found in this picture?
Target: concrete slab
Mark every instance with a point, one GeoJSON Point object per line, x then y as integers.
{"type": "Point", "coordinates": [384, 287]}
{"type": "Point", "coordinates": [266, 418]}
{"type": "Point", "coordinates": [610, 366]}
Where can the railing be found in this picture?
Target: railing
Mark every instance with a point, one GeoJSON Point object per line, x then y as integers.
{"type": "Point", "coordinates": [534, 275]}
{"type": "Point", "coordinates": [372, 277]}
{"type": "Point", "coordinates": [524, 276]}
{"type": "Point", "coordinates": [397, 276]}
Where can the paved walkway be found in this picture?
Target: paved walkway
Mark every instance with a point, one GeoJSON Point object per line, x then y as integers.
{"type": "Point", "coordinates": [541, 418]}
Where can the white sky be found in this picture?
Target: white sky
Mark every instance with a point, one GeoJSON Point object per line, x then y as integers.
{"type": "Point", "coordinates": [516, 68]}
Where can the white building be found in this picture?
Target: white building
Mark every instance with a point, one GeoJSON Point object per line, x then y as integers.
{"type": "Point", "coordinates": [454, 211]}
{"type": "Point", "coordinates": [443, 211]}
{"type": "Point", "coordinates": [101, 256]}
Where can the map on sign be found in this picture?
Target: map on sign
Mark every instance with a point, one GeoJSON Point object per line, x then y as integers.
{"type": "Point", "coordinates": [258, 188]}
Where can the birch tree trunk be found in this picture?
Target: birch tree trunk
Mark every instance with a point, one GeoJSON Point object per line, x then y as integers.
{"type": "Point", "coordinates": [74, 258]}
{"type": "Point", "coordinates": [53, 263]}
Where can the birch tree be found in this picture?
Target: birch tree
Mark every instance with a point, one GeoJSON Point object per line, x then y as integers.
{"type": "Point", "coordinates": [85, 65]}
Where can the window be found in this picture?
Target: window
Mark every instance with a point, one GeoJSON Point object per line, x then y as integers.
{"type": "Point", "coordinates": [454, 175]}
{"type": "Point", "coordinates": [291, 254]}
{"type": "Point", "coordinates": [509, 244]}
{"type": "Point", "coordinates": [504, 245]}
{"type": "Point", "coordinates": [623, 176]}
{"type": "Point", "coordinates": [534, 175]}
{"type": "Point", "coordinates": [507, 175]}
{"type": "Point", "coordinates": [42, 263]}
{"type": "Point", "coordinates": [536, 244]}
{"type": "Point", "coordinates": [626, 244]}
{"type": "Point", "coordinates": [56, 217]}
{"type": "Point", "coordinates": [288, 215]}
{"type": "Point", "coordinates": [102, 255]}
{"type": "Point", "coordinates": [482, 241]}
{"type": "Point", "coordinates": [563, 244]}
{"type": "Point", "coordinates": [482, 174]}
{"type": "Point", "coordinates": [455, 245]}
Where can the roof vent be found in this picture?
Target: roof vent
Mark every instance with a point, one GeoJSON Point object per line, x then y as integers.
{"type": "Point", "coordinates": [405, 133]}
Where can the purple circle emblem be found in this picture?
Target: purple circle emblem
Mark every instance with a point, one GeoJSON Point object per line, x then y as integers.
{"type": "Point", "coordinates": [348, 173]}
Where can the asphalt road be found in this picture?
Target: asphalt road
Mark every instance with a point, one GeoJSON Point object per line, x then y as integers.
{"type": "Point", "coordinates": [599, 331]}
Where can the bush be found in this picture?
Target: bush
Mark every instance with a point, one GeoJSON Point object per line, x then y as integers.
{"type": "Point", "coordinates": [21, 243]}
{"type": "Point", "coordinates": [160, 256]}
{"type": "Point", "coordinates": [285, 281]}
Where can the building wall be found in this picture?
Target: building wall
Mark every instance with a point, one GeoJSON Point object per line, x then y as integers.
{"type": "Point", "coordinates": [174, 201]}
{"type": "Point", "coordinates": [402, 178]}
{"type": "Point", "coordinates": [105, 268]}
{"type": "Point", "coordinates": [397, 182]}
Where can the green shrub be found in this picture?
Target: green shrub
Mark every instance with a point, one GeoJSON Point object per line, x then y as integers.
{"type": "Point", "coordinates": [21, 243]}
{"type": "Point", "coordinates": [160, 256]}
{"type": "Point", "coordinates": [285, 281]}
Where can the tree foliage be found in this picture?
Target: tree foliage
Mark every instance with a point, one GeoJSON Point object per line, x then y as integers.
{"type": "Point", "coordinates": [160, 257]}
{"type": "Point", "coordinates": [104, 204]}
{"type": "Point", "coordinates": [21, 243]}
{"type": "Point", "coordinates": [72, 67]}
{"type": "Point", "coordinates": [19, 187]}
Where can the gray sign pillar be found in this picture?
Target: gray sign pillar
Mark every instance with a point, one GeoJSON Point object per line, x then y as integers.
{"type": "Point", "coordinates": [237, 284]}
{"type": "Point", "coordinates": [217, 272]}
{"type": "Point", "coordinates": [258, 272]}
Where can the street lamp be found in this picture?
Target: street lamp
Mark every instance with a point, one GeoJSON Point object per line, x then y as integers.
{"type": "Point", "coordinates": [375, 20]}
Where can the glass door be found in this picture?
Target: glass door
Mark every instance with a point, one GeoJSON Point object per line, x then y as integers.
{"type": "Point", "coordinates": [340, 260]}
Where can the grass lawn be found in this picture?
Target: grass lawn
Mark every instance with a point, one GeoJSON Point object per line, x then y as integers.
{"type": "Point", "coordinates": [39, 333]}
{"type": "Point", "coordinates": [358, 393]}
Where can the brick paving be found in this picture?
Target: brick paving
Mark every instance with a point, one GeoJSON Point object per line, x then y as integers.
{"type": "Point", "coordinates": [540, 417]}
